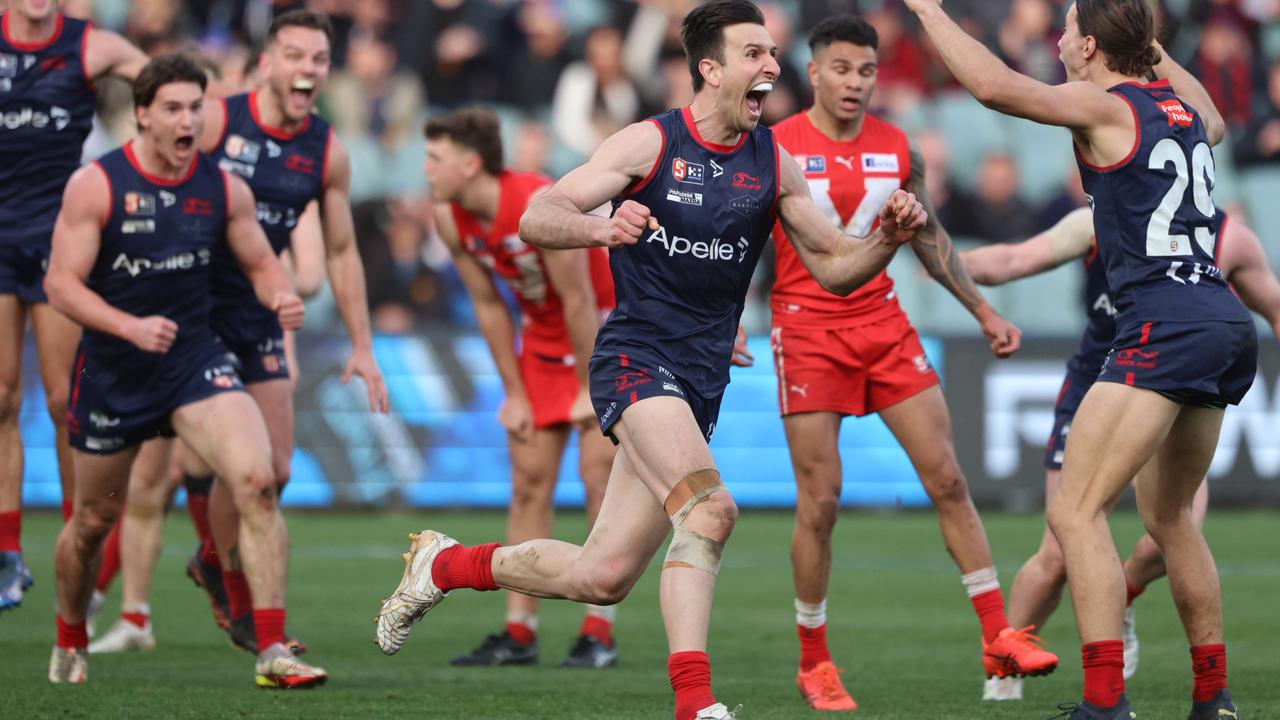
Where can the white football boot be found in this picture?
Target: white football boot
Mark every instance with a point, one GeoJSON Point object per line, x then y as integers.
{"type": "Point", "coordinates": [1130, 636]}
{"type": "Point", "coordinates": [416, 593]}
{"type": "Point", "coordinates": [278, 667]}
{"type": "Point", "coordinates": [124, 636]}
{"type": "Point", "coordinates": [717, 712]}
{"type": "Point", "coordinates": [1002, 688]}
{"type": "Point", "coordinates": [93, 612]}
{"type": "Point", "coordinates": [68, 666]}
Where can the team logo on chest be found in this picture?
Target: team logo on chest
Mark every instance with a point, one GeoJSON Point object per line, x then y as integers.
{"type": "Point", "coordinates": [878, 162]}
{"type": "Point", "coordinates": [687, 172]}
{"type": "Point", "coordinates": [298, 163]}
{"type": "Point", "coordinates": [238, 148]}
{"type": "Point", "coordinates": [167, 199]}
{"type": "Point", "coordinates": [136, 203]}
{"type": "Point", "coordinates": [814, 164]}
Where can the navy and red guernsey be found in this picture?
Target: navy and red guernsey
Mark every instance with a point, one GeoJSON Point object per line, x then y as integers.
{"type": "Point", "coordinates": [285, 171]}
{"type": "Point", "coordinates": [1154, 217]}
{"type": "Point", "coordinates": [47, 101]}
{"type": "Point", "coordinates": [681, 288]}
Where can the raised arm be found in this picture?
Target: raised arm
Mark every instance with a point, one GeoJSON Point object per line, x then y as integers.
{"type": "Point", "coordinates": [1249, 272]}
{"type": "Point", "coordinates": [346, 274]}
{"type": "Point", "coordinates": [496, 325]}
{"type": "Point", "coordinates": [1187, 87]}
{"type": "Point", "coordinates": [252, 251]}
{"type": "Point", "coordinates": [1069, 239]}
{"type": "Point", "coordinates": [108, 54]}
{"type": "Point", "coordinates": [77, 238]}
{"type": "Point", "coordinates": [558, 218]}
{"type": "Point", "coordinates": [841, 263]}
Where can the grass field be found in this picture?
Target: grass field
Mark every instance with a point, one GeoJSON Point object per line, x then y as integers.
{"type": "Point", "coordinates": [899, 624]}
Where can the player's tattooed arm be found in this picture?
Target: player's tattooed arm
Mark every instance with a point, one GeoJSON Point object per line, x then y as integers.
{"type": "Point", "coordinates": [109, 54]}
{"type": "Point", "coordinates": [933, 246]}
{"type": "Point", "coordinates": [1069, 239]}
{"type": "Point", "coordinates": [558, 218]}
{"type": "Point", "coordinates": [253, 253]}
{"type": "Point", "coordinates": [1249, 272]}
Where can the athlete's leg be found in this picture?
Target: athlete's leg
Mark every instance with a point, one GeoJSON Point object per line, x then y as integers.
{"type": "Point", "coordinates": [1037, 588]}
{"type": "Point", "coordinates": [1146, 563]}
{"type": "Point", "coordinates": [56, 339]}
{"type": "Point", "coordinates": [205, 566]}
{"type": "Point", "coordinates": [535, 466]}
{"type": "Point", "coordinates": [13, 321]}
{"type": "Point", "coordinates": [596, 454]}
{"type": "Point", "coordinates": [142, 530]}
{"type": "Point", "coordinates": [812, 439]}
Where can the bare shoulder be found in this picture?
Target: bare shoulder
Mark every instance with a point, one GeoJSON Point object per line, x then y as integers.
{"type": "Point", "coordinates": [239, 195]}
{"type": "Point", "coordinates": [88, 191]}
{"type": "Point", "coordinates": [790, 177]}
{"type": "Point", "coordinates": [632, 150]}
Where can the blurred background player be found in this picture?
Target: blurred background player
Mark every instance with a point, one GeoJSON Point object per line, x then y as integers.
{"type": "Point", "coordinates": [132, 253]}
{"type": "Point", "coordinates": [1038, 587]}
{"type": "Point", "coordinates": [1184, 349]}
{"type": "Point", "coordinates": [860, 355]}
{"type": "Point", "coordinates": [288, 155]}
{"type": "Point", "coordinates": [563, 295]}
{"type": "Point", "coordinates": [48, 66]}
{"type": "Point", "coordinates": [705, 182]}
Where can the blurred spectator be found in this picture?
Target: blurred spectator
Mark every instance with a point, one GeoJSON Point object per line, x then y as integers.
{"type": "Point", "coordinates": [937, 177]}
{"type": "Point", "coordinates": [901, 81]}
{"type": "Point", "coordinates": [1226, 67]}
{"type": "Point", "coordinates": [994, 212]}
{"type": "Point", "coordinates": [369, 97]}
{"type": "Point", "coordinates": [402, 289]}
{"type": "Point", "coordinates": [653, 39]}
{"type": "Point", "coordinates": [594, 99]}
{"type": "Point", "coordinates": [538, 55]}
{"type": "Point", "coordinates": [1029, 41]}
{"type": "Point", "coordinates": [678, 83]}
{"type": "Point", "coordinates": [791, 92]}
{"type": "Point", "coordinates": [1260, 142]}
{"type": "Point", "coordinates": [1071, 196]}
{"type": "Point", "coordinates": [531, 149]}
{"type": "Point", "coordinates": [453, 44]}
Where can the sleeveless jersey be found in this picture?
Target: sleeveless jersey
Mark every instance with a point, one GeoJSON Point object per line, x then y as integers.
{"type": "Point", "coordinates": [285, 171]}
{"type": "Point", "coordinates": [1154, 216]}
{"type": "Point", "coordinates": [502, 251]}
{"type": "Point", "coordinates": [849, 181]}
{"type": "Point", "coordinates": [155, 253]}
{"type": "Point", "coordinates": [47, 103]}
{"type": "Point", "coordinates": [681, 288]}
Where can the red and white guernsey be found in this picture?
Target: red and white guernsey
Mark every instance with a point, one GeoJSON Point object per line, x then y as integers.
{"type": "Point", "coordinates": [501, 250]}
{"type": "Point", "coordinates": [850, 181]}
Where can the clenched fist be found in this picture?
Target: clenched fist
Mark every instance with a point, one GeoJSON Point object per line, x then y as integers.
{"type": "Point", "coordinates": [288, 309]}
{"type": "Point", "coordinates": [153, 334]}
{"type": "Point", "coordinates": [901, 217]}
{"type": "Point", "coordinates": [629, 223]}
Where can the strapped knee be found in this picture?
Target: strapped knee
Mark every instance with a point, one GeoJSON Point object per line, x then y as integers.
{"type": "Point", "coordinates": [691, 549]}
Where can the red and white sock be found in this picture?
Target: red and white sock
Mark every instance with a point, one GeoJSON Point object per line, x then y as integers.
{"type": "Point", "coordinates": [811, 626]}
{"type": "Point", "coordinates": [72, 636]}
{"type": "Point", "coordinates": [459, 566]}
{"type": "Point", "coordinates": [198, 489]}
{"type": "Point", "coordinates": [690, 674]}
{"type": "Point", "coordinates": [522, 626]}
{"type": "Point", "coordinates": [110, 559]}
{"type": "Point", "coordinates": [11, 531]}
{"type": "Point", "coordinates": [239, 599]}
{"type": "Point", "coordinates": [268, 626]}
{"type": "Point", "coordinates": [598, 623]}
{"type": "Point", "coordinates": [983, 588]}
{"type": "Point", "coordinates": [1209, 663]}
{"type": "Point", "coordinates": [139, 616]}
{"type": "Point", "coordinates": [1132, 591]}
{"type": "Point", "coordinates": [68, 509]}
{"type": "Point", "coordinates": [1103, 672]}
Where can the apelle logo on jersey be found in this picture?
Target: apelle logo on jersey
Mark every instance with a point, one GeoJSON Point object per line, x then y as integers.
{"type": "Point", "coordinates": [687, 172]}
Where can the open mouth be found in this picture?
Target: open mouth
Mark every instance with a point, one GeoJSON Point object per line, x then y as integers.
{"type": "Point", "coordinates": [302, 90]}
{"type": "Point", "coordinates": [756, 96]}
{"type": "Point", "coordinates": [185, 142]}
{"type": "Point", "coordinates": [850, 103]}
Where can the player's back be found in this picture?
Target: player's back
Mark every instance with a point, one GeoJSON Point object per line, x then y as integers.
{"type": "Point", "coordinates": [499, 248]}
{"type": "Point", "coordinates": [681, 288]}
{"type": "Point", "coordinates": [1154, 216]}
{"type": "Point", "coordinates": [46, 111]}
{"type": "Point", "coordinates": [155, 253]}
{"type": "Point", "coordinates": [849, 181]}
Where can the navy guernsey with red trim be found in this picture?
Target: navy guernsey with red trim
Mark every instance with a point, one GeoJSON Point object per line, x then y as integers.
{"type": "Point", "coordinates": [681, 288]}
{"type": "Point", "coordinates": [1154, 217]}
{"type": "Point", "coordinates": [155, 253]}
{"type": "Point", "coordinates": [47, 104]}
{"type": "Point", "coordinates": [285, 171]}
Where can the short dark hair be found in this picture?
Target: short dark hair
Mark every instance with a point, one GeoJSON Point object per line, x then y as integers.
{"type": "Point", "coordinates": [303, 19]}
{"type": "Point", "coordinates": [475, 128]}
{"type": "Point", "coordinates": [702, 31]}
{"type": "Point", "coordinates": [1124, 30]}
{"type": "Point", "coordinates": [163, 70]}
{"type": "Point", "coordinates": [853, 29]}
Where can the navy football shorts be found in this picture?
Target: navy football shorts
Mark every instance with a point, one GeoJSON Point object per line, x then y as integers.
{"type": "Point", "coordinates": [112, 407]}
{"type": "Point", "coordinates": [620, 380]}
{"type": "Point", "coordinates": [256, 339]}
{"type": "Point", "coordinates": [1204, 363]}
{"type": "Point", "coordinates": [1073, 389]}
{"type": "Point", "coordinates": [22, 269]}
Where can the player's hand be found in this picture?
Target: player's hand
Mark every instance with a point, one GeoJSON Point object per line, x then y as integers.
{"type": "Point", "coordinates": [288, 309]}
{"type": "Point", "coordinates": [362, 363]}
{"type": "Point", "coordinates": [582, 414]}
{"type": "Point", "coordinates": [918, 5]}
{"type": "Point", "coordinates": [1005, 337]}
{"type": "Point", "coordinates": [153, 334]}
{"type": "Point", "coordinates": [741, 357]}
{"type": "Point", "coordinates": [901, 217]}
{"type": "Point", "coordinates": [516, 415]}
{"type": "Point", "coordinates": [628, 223]}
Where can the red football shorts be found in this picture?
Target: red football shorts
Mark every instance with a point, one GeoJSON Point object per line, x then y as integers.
{"type": "Point", "coordinates": [551, 385]}
{"type": "Point", "coordinates": [849, 370]}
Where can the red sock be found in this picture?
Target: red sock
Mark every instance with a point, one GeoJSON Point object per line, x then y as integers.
{"type": "Point", "coordinates": [239, 600]}
{"type": "Point", "coordinates": [598, 628]}
{"type": "Point", "coordinates": [1103, 672]}
{"type": "Point", "coordinates": [68, 509]}
{"type": "Point", "coordinates": [110, 559]}
{"type": "Point", "coordinates": [11, 531]}
{"type": "Point", "coordinates": [72, 636]}
{"type": "Point", "coordinates": [1209, 662]}
{"type": "Point", "coordinates": [522, 633]}
{"type": "Point", "coordinates": [691, 679]}
{"type": "Point", "coordinates": [990, 608]}
{"type": "Point", "coordinates": [465, 567]}
{"type": "Point", "coordinates": [813, 646]}
{"type": "Point", "coordinates": [137, 618]}
{"type": "Point", "coordinates": [1131, 591]}
{"type": "Point", "coordinates": [268, 626]}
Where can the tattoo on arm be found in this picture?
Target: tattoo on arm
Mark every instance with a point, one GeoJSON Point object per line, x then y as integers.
{"type": "Point", "coordinates": [933, 245]}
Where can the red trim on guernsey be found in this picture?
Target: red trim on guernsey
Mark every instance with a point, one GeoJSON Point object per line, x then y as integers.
{"type": "Point", "coordinates": [30, 46]}
{"type": "Point", "coordinates": [1156, 85]}
{"type": "Point", "coordinates": [324, 164]}
{"type": "Point", "coordinates": [622, 360]}
{"type": "Point", "coordinates": [1221, 240]}
{"type": "Point", "coordinates": [1137, 142]}
{"type": "Point", "coordinates": [226, 192]}
{"type": "Point", "coordinates": [222, 136]}
{"type": "Point", "coordinates": [653, 171]}
{"type": "Point", "coordinates": [75, 386]}
{"type": "Point", "coordinates": [634, 397]}
{"type": "Point", "coordinates": [1128, 378]}
{"type": "Point", "coordinates": [133, 160]}
{"type": "Point", "coordinates": [84, 57]}
{"type": "Point", "coordinates": [687, 114]}
{"type": "Point", "coordinates": [1146, 334]}
{"type": "Point", "coordinates": [777, 174]}
{"type": "Point", "coordinates": [111, 195]}
{"type": "Point", "coordinates": [274, 132]}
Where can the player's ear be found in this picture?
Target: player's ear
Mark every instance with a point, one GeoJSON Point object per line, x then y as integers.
{"type": "Point", "coordinates": [1088, 46]}
{"type": "Point", "coordinates": [812, 70]}
{"type": "Point", "coordinates": [711, 71]}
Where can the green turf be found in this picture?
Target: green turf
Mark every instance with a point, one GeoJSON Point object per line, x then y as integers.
{"type": "Point", "coordinates": [899, 624]}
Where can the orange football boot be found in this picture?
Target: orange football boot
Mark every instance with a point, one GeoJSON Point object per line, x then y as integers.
{"type": "Point", "coordinates": [1017, 653]}
{"type": "Point", "coordinates": [821, 688]}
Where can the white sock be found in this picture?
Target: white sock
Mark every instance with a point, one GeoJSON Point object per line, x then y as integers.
{"type": "Point", "coordinates": [980, 581]}
{"type": "Point", "coordinates": [811, 615]}
{"type": "Point", "coordinates": [605, 612]}
{"type": "Point", "coordinates": [140, 608]}
{"type": "Point", "coordinates": [521, 617]}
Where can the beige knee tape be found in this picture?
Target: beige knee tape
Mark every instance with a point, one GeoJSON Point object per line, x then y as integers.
{"type": "Point", "coordinates": [143, 512]}
{"type": "Point", "coordinates": [690, 549]}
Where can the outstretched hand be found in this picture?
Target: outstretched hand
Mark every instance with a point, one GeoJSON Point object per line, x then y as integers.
{"type": "Point", "coordinates": [901, 217]}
